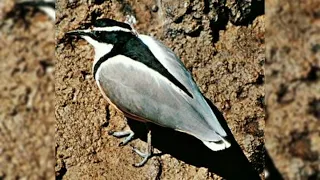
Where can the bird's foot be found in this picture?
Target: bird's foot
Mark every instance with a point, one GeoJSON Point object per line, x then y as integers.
{"type": "Point", "coordinates": [146, 157]}
{"type": "Point", "coordinates": [119, 134]}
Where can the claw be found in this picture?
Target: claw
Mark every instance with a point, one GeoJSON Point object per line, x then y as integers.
{"type": "Point", "coordinates": [145, 156]}
{"type": "Point", "coordinates": [110, 132]}
{"type": "Point", "coordinates": [127, 139]}
{"type": "Point", "coordinates": [139, 152]}
{"type": "Point", "coordinates": [129, 136]}
{"type": "Point", "coordinates": [120, 134]}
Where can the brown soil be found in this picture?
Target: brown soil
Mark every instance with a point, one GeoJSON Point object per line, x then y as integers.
{"type": "Point", "coordinates": [293, 94]}
{"type": "Point", "coordinates": [226, 64]}
{"type": "Point", "coordinates": [27, 93]}
{"type": "Point", "coordinates": [225, 58]}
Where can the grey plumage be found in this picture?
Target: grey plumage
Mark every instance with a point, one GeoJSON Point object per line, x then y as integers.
{"type": "Point", "coordinates": [148, 82]}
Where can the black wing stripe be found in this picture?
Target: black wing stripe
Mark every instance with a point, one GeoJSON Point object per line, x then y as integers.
{"type": "Point", "coordinates": [132, 47]}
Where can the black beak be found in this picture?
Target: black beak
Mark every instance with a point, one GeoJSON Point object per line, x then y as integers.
{"type": "Point", "coordinates": [77, 33]}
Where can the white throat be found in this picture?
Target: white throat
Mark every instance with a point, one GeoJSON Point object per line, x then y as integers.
{"type": "Point", "coordinates": [100, 49]}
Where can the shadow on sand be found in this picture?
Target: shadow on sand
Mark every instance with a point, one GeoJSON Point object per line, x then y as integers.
{"type": "Point", "coordinates": [229, 164]}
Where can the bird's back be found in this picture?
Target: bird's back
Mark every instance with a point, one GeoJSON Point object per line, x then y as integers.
{"type": "Point", "coordinates": [161, 91]}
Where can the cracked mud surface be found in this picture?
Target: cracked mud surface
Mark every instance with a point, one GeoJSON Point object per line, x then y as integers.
{"type": "Point", "coordinates": [226, 64]}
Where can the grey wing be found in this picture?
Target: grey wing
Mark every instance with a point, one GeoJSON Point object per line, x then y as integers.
{"type": "Point", "coordinates": [174, 65]}
{"type": "Point", "coordinates": [139, 90]}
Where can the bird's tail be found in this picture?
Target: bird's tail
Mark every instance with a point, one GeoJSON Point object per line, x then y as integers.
{"type": "Point", "coordinates": [217, 146]}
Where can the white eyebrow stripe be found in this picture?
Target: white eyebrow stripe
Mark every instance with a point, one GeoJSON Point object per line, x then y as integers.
{"type": "Point", "coordinates": [110, 29]}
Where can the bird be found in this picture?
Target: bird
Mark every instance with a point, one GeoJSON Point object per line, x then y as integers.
{"type": "Point", "coordinates": [147, 81]}
{"type": "Point", "coordinates": [47, 6]}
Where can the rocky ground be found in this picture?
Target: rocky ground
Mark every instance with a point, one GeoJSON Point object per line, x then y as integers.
{"type": "Point", "coordinates": [222, 44]}
{"type": "Point", "coordinates": [27, 93]}
{"type": "Point", "coordinates": [224, 51]}
{"type": "Point", "coordinates": [293, 88]}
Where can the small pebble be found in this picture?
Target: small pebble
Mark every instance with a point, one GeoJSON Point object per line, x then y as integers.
{"type": "Point", "coordinates": [155, 8]}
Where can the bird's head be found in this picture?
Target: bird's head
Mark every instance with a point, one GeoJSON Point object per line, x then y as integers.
{"type": "Point", "coordinates": [104, 35]}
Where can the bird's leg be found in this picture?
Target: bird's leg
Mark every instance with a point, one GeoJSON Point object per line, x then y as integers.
{"type": "Point", "coordinates": [146, 156]}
